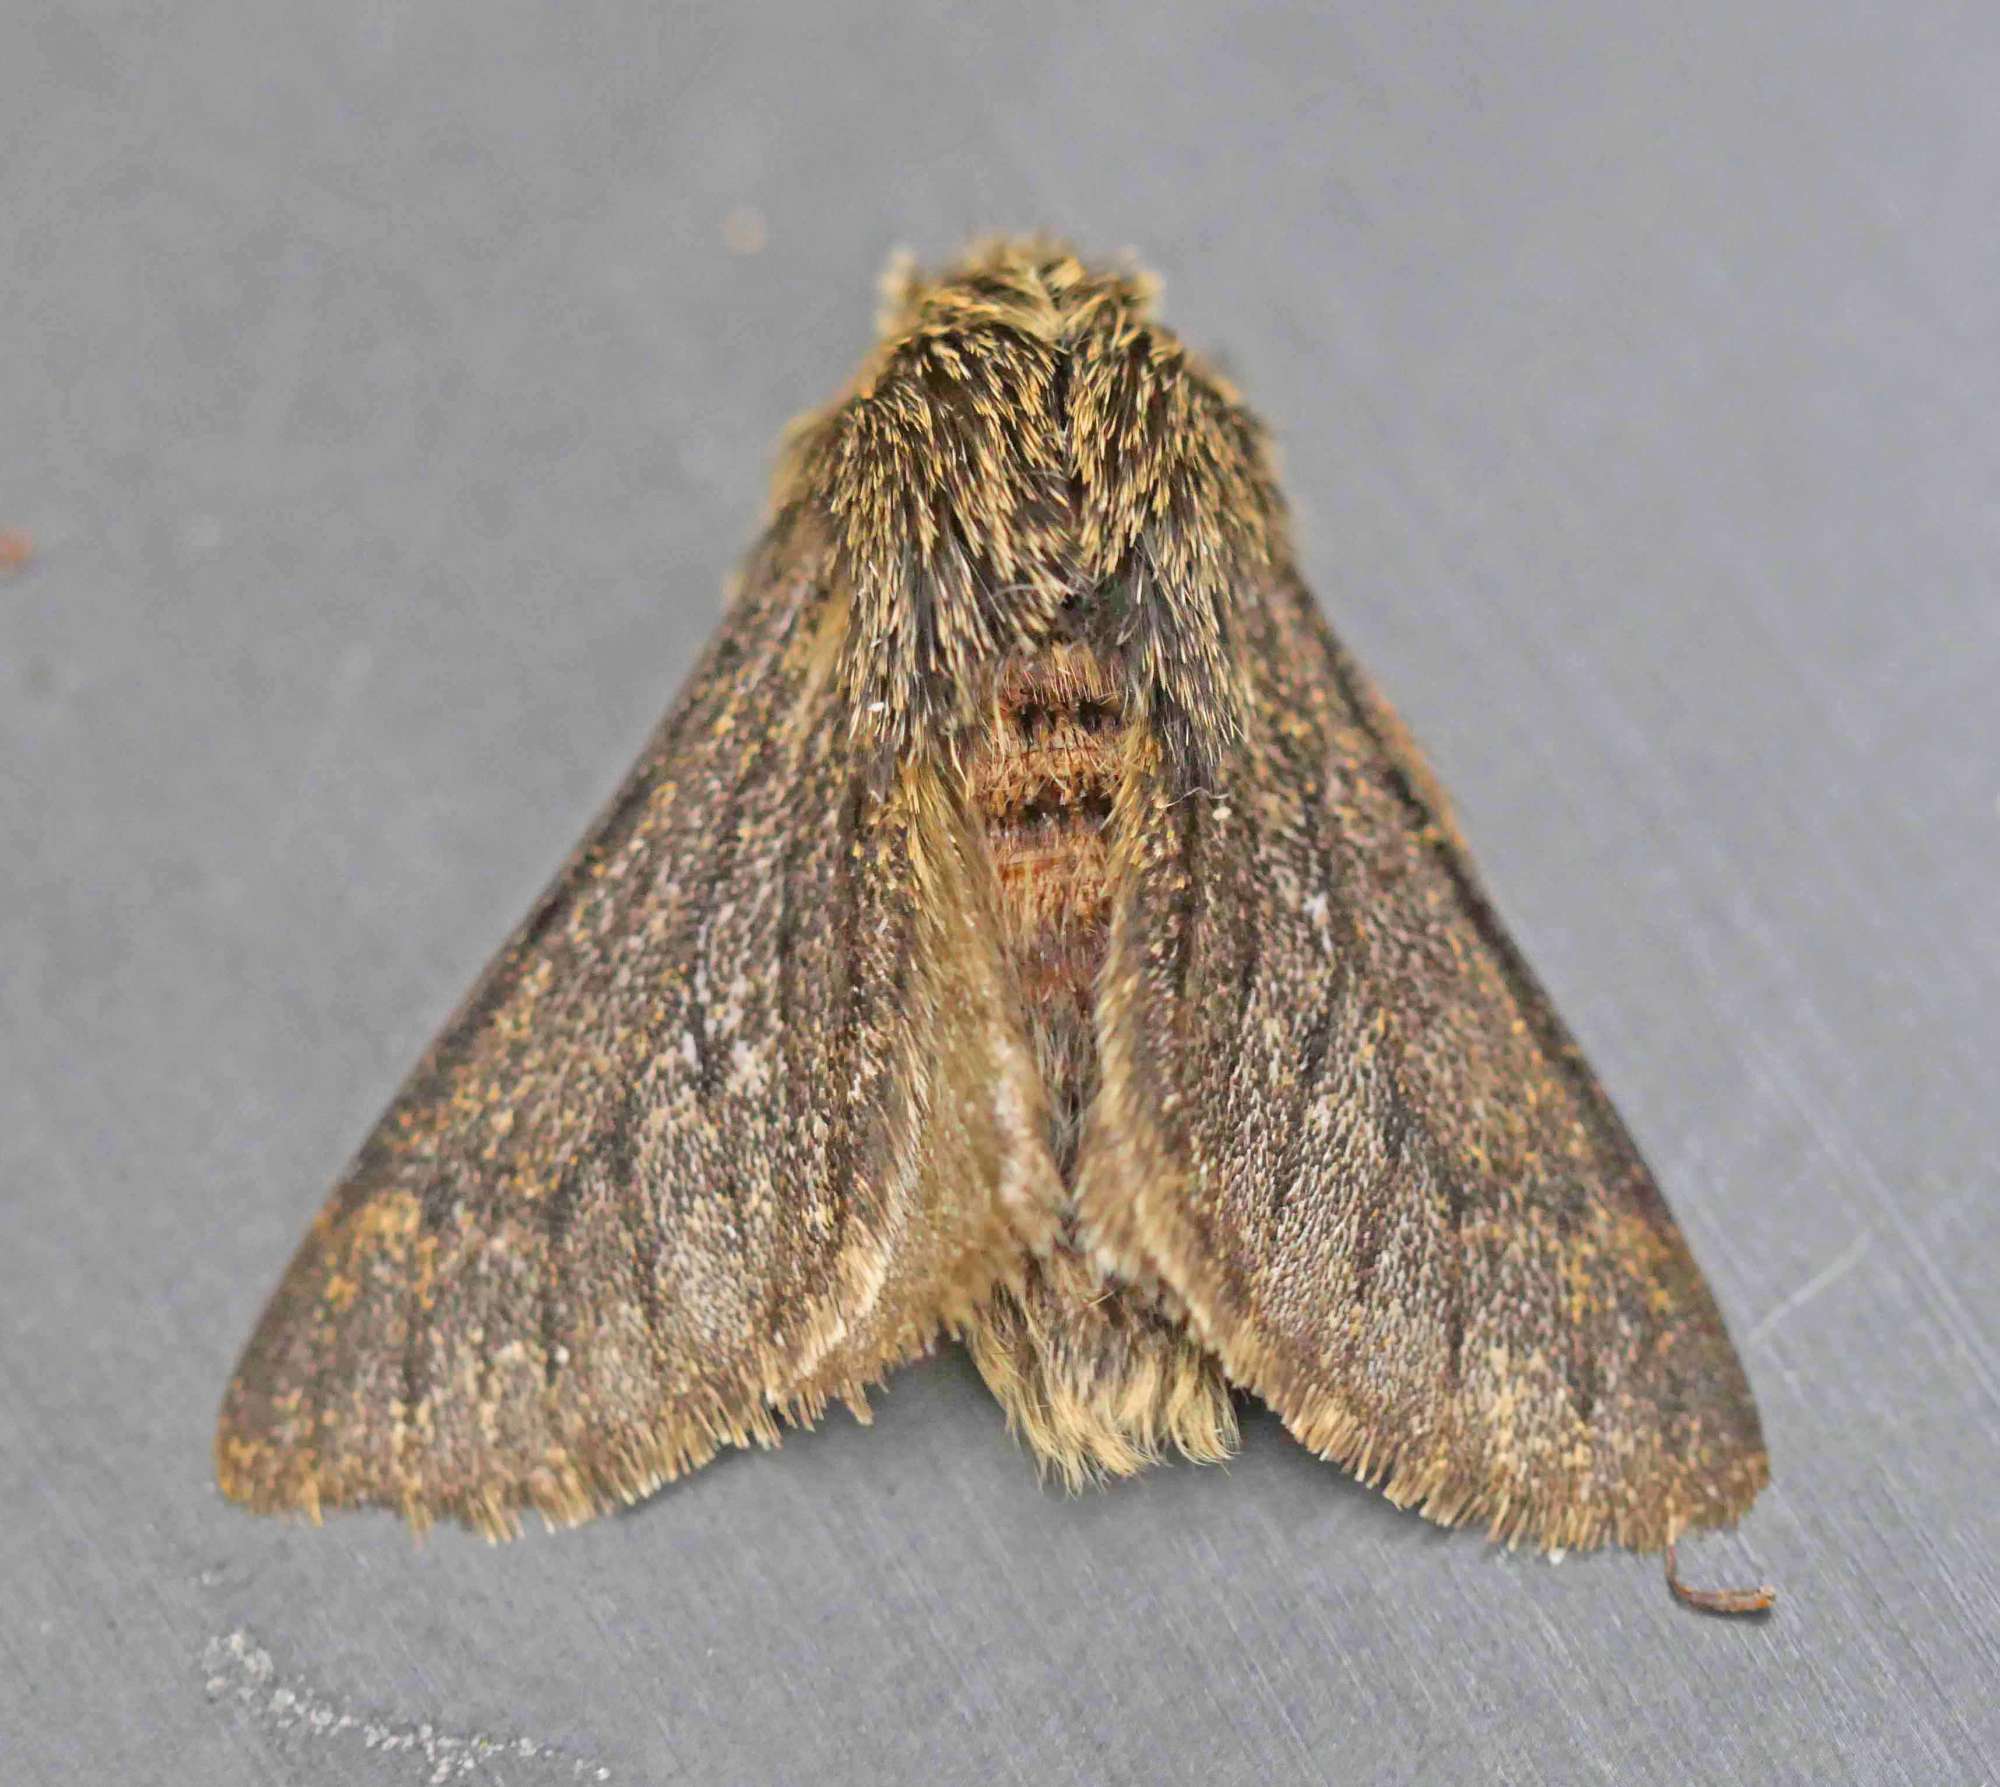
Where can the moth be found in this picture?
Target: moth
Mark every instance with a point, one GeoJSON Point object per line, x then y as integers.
{"type": "Point", "coordinates": [1028, 925]}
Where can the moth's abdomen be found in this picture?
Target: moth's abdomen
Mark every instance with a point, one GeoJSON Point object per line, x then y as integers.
{"type": "Point", "coordinates": [1042, 778]}
{"type": "Point", "coordinates": [1094, 1376]}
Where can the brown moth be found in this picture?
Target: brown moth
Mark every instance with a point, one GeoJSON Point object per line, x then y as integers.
{"type": "Point", "coordinates": [1028, 925]}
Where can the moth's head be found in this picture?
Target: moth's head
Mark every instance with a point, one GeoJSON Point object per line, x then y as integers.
{"type": "Point", "coordinates": [1036, 283]}
{"type": "Point", "coordinates": [1025, 441]}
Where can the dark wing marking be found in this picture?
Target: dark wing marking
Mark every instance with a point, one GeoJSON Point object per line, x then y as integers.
{"type": "Point", "coordinates": [1341, 1123]}
{"type": "Point", "coordinates": [737, 1120]}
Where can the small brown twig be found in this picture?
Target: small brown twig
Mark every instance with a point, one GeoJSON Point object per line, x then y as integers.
{"type": "Point", "coordinates": [1720, 1600]}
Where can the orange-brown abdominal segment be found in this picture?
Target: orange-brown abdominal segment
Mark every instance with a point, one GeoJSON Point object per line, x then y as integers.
{"type": "Point", "coordinates": [1041, 781]}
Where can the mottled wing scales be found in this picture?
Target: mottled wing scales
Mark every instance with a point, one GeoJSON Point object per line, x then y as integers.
{"type": "Point", "coordinates": [737, 1120]}
{"type": "Point", "coordinates": [1341, 1123]}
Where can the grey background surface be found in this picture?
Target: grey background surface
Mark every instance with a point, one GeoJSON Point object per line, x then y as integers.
{"type": "Point", "coordinates": [389, 389]}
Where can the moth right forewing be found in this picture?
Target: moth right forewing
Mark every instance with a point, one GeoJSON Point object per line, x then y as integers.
{"type": "Point", "coordinates": [1339, 1120]}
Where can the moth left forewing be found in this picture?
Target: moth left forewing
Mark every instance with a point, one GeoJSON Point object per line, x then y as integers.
{"type": "Point", "coordinates": [734, 1123]}
{"type": "Point", "coordinates": [969, 1189]}
{"type": "Point", "coordinates": [1340, 1123]}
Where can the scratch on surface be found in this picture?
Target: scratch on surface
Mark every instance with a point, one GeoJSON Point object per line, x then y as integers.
{"type": "Point", "coordinates": [240, 1672]}
{"type": "Point", "coordinates": [1827, 1275]}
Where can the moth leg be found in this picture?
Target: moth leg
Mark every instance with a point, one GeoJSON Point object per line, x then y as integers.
{"type": "Point", "coordinates": [1094, 1377]}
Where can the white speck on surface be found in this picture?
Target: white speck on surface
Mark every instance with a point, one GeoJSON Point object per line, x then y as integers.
{"type": "Point", "coordinates": [745, 231]}
{"type": "Point", "coordinates": [239, 1672]}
